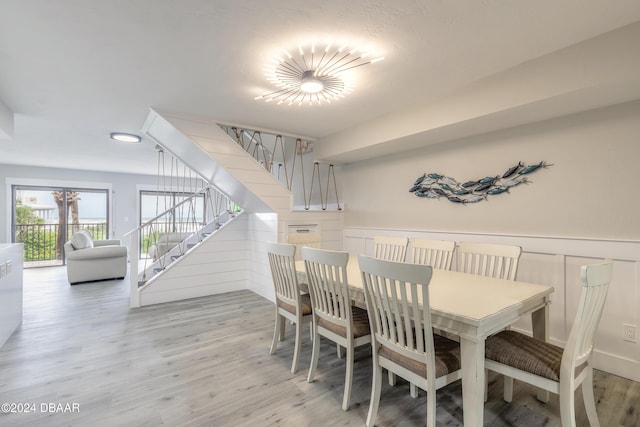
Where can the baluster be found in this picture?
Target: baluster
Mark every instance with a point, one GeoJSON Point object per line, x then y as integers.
{"type": "Point", "coordinates": [279, 139]}
{"type": "Point", "coordinates": [307, 204]}
{"type": "Point", "coordinates": [335, 185]}
{"type": "Point", "coordinates": [316, 169]}
{"type": "Point", "coordinates": [293, 166]}
{"type": "Point", "coordinates": [255, 154]}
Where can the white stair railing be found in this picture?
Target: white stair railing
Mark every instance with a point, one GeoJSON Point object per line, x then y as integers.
{"type": "Point", "coordinates": [160, 241]}
{"type": "Point", "coordinates": [275, 151]}
{"type": "Point", "coordinates": [191, 211]}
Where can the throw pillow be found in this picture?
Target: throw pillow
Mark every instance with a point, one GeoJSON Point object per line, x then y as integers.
{"type": "Point", "coordinates": [81, 240]}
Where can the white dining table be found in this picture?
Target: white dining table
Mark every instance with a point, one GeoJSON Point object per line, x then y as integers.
{"type": "Point", "coordinates": [471, 307]}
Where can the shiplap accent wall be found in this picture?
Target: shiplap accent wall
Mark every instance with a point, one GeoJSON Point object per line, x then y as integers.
{"type": "Point", "coordinates": [262, 228]}
{"type": "Point", "coordinates": [556, 261]}
{"type": "Point", "coordinates": [217, 265]}
{"type": "Point", "coordinates": [273, 227]}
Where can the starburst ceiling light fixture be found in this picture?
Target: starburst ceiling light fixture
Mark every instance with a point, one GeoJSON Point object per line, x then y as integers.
{"type": "Point", "coordinates": [315, 77]}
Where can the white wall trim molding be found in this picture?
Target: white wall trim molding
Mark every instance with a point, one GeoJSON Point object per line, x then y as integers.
{"type": "Point", "coordinates": [579, 246]}
{"type": "Point", "coordinates": [556, 261]}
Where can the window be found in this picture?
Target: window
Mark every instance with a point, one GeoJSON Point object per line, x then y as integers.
{"type": "Point", "coordinates": [156, 207]}
{"type": "Point", "coordinates": [44, 218]}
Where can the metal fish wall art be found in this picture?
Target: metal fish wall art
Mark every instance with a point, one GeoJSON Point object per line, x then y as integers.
{"type": "Point", "coordinates": [434, 185]}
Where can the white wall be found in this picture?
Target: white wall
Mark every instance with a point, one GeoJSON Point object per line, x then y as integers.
{"type": "Point", "coordinates": [263, 228]}
{"type": "Point", "coordinates": [580, 210]}
{"type": "Point", "coordinates": [590, 191]}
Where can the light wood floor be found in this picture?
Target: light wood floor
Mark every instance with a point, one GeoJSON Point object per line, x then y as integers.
{"type": "Point", "coordinates": [206, 362]}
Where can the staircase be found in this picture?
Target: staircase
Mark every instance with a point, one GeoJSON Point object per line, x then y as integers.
{"type": "Point", "coordinates": [164, 247]}
{"type": "Point", "coordinates": [220, 161]}
{"type": "Point", "coordinates": [165, 241]}
{"type": "Point", "coordinates": [227, 253]}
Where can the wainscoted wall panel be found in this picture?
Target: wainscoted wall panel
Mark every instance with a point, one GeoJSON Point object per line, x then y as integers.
{"type": "Point", "coordinates": [216, 266]}
{"type": "Point", "coordinates": [535, 268]}
{"type": "Point", "coordinates": [556, 261]}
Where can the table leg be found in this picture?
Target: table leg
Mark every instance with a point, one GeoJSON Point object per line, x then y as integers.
{"type": "Point", "coordinates": [473, 378]}
{"type": "Point", "coordinates": [540, 329]}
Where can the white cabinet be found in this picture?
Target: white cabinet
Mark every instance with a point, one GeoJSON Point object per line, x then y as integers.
{"type": "Point", "coordinates": [11, 263]}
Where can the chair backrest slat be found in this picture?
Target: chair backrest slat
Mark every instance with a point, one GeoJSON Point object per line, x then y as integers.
{"type": "Point", "coordinates": [390, 248]}
{"type": "Point", "coordinates": [397, 296]}
{"type": "Point", "coordinates": [595, 285]}
{"type": "Point", "coordinates": [328, 285]}
{"type": "Point", "coordinates": [436, 253]}
{"type": "Point", "coordinates": [283, 270]}
{"type": "Point", "coordinates": [485, 259]}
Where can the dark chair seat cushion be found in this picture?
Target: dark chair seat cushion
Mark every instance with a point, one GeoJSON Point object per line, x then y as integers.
{"type": "Point", "coordinates": [525, 353]}
{"type": "Point", "coordinates": [447, 357]}
{"type": "Point", "coordinates": [360, 324]}
{"type": "Point", "coordinates": [305, 305]}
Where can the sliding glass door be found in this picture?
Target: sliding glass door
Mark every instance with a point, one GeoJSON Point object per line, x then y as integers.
{"type": "Point", "coordinates": [44, 218]}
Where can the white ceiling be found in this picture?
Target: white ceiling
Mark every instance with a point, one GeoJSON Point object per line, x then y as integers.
{"type": "Point", "coordinates": [73, 71]}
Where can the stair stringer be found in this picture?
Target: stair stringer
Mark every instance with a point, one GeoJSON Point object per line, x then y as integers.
{"type": "Point", "coordinates": [217, 265]}
{"type": "Point", "coordinates": [210, 152]}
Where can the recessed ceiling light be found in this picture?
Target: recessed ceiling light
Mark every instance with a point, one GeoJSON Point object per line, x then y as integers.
{"type": "Point", "coordinates": [125, 137]}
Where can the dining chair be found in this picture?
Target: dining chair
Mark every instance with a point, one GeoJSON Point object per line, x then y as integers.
{"type": "Point", "coordinates": [390, 248]}
{"type": "Point", "coordinates": [290, 303]}
{"type": "Point", "coordinates": [488, 259]}
{"type": "Point", "coordinates": [493, 260]}
{"type": "Point", "coordinates": [550, 367]}
{"type": "Point", "coordinates": [436, 253]}
{"type": "Point", "coordinates": [397, 297]}
{"type": "Point", "coordinates": [334, 316]}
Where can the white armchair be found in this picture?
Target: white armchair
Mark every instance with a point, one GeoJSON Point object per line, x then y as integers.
{"type": "Point", "coordinates": [166, 242]}
{"type": "Point", "coordinates": [91, 260]}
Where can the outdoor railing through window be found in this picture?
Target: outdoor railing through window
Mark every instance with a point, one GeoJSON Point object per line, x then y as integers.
{"type": "Point", "coordinates": [41, 240]}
